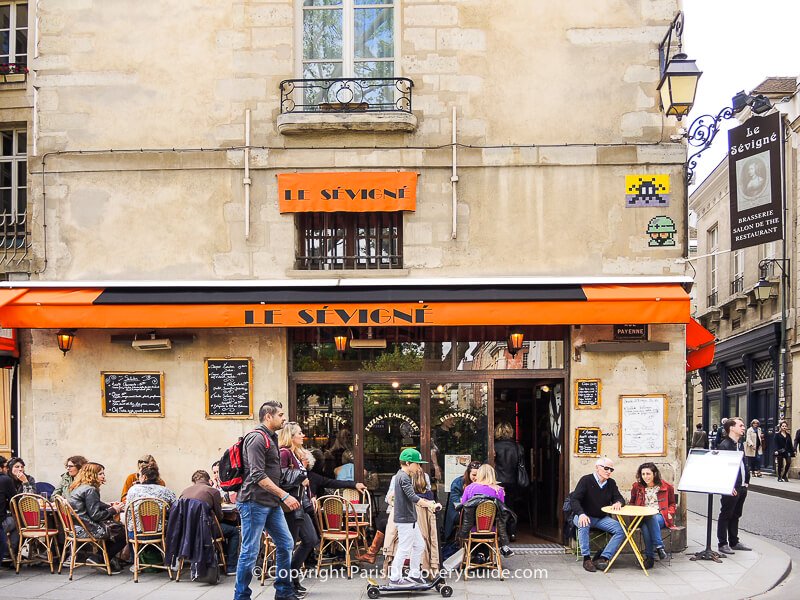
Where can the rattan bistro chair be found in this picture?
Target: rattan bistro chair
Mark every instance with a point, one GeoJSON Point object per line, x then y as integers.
{"type": "Point", "coordinates": [269, 562]}
{"type": "Point", "coordinates": [30, 514]}
{"type": "Point", "coordinates": [337, 520]}
{"type": "Point", "coordinates": [484, 535]}
{"type": "Point", "coordinates": [74, 543]}
{"type": "Point", "coordinates": [148, 518]}
{"type": "Point", "coordinates": [363, 521]}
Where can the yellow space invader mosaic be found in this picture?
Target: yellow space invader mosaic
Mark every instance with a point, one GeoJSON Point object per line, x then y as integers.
{"type": "Point", "coordinates": [646, 190]}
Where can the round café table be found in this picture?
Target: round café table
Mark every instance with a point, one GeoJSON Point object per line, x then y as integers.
{"type": "Point", "coordinates": [636, 514]}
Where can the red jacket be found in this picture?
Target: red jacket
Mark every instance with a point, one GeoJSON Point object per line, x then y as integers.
{"type": "Point", "coordinates": [666, 500]}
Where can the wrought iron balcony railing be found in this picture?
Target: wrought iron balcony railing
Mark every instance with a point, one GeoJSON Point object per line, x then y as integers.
{"type": "Point", "coordinates": [737, 285]}
{"type": "Point", "coordinates": [14, 238]}
{"type": "Point", "coordinates": [346, 95]}
{"type": "Point", "coordinates": [712, 299]}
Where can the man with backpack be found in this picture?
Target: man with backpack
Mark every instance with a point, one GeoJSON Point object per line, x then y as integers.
{"type": "Point", "coordinates": [259, 505]}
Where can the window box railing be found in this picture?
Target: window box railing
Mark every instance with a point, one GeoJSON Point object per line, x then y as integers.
{"type": "Point", "coordinates": [737, 285]}
{"type": "Point", "coordinates": [346, 95]}
{"type": "Point", "coordinates": [712, 299]}
{"type": "Point", "coordinates": [13, 72]}
{"type": "Point", "coordinates": [14, 237]}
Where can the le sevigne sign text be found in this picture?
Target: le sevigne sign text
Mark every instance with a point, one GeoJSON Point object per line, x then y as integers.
{"type": "Point", "coordinates": [413, 314]}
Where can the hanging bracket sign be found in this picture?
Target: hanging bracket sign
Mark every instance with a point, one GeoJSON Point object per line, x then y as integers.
{"type": "Point", "coordinates": [755, 155]}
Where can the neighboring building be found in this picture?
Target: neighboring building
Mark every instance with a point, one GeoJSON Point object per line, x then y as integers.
{"type": "Point", "coordinates": [223, 186]}
{"type": "Point", "coordinates": [744, 378]}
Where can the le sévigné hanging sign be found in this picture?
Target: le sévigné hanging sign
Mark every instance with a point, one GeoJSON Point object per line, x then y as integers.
{"type": "Point", "coordinates": [756, 185]}
{"type": "Point", "coordinates": [361, 191]}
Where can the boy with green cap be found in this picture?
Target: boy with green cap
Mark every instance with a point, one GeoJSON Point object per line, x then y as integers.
{"type": "Point", "coordinates": [410, 543]}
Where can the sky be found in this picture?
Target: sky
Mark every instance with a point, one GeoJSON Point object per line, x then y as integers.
{"type": "Point", "coordinates": [737, 44]}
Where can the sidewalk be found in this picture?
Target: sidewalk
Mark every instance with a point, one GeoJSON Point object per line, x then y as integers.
{"type": "Point", "coordinates": [557, 577]}
{"type": "Point", "coordinates": [768, 484]}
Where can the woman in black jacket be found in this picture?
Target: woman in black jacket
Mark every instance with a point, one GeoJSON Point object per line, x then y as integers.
{"type": "Point", "coordinates": [85, 499]}
{"type": "Point", "coordinates": [784, 450]}
{"type": "Point", "coordinates": [507, 456]}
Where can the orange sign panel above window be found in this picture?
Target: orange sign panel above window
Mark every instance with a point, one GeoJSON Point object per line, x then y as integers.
{"type": "Point", "coordinates": [361, 191]}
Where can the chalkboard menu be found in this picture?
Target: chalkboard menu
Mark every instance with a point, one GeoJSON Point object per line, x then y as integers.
{"type": "Point", "coordinates": [229, 388]}
{"type": "Point", "coordinates": [587, 441]}
{"type": "Point", "coordinates": [587, 393]}
{"type": "Point", "coordinates": [132, 393]}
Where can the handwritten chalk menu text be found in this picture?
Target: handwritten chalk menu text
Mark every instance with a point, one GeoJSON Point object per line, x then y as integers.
{"type": "Point", "coordinates": [587, 393]}
{"type": "Point", "coordinates": [642, 424]}
{"type": "Point", "coordinates": [587, 441]}
{"type": "Point", "coordinates": [229, 393]}
{"type": "Point", "coordinates": [132, 394]}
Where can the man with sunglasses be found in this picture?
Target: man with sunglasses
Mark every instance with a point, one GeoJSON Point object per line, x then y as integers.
{"type": "Point", "coordinates": [592, 493]}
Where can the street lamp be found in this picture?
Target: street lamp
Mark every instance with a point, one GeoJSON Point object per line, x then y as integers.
{"type": "Point", "coordinates": [515, 341]}
{"type": "Point", "coordinates": [64, 338]}
{"type": "Point", "coordinates": [763, 291]}
{"type": "Point", "coordinates": [679, 75]}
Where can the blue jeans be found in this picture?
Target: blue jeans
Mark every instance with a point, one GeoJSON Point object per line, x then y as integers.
{"type": "Point", "coordinates": [651, 534]}
{"type": "Point", "coordinates": [607, 524]}
{"type": "Point", "coordinates": [231, 534]}
{"type": "Point", "coordinates": [255, 518]}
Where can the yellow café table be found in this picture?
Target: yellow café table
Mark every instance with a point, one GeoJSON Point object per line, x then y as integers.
{"type": "Point", "coordinates": [637, 514]}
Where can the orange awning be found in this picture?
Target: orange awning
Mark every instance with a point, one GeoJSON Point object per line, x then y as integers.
{"type": "Point", "coordinates": [700, 346]}
{"type": "Point", "coordinates": [353, 306]}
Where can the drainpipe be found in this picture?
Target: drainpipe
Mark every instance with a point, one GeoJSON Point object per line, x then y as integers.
{"type": "Point", "coordinates": [247, 180]}
{"type": "Point", "coordinates": [454, 178]}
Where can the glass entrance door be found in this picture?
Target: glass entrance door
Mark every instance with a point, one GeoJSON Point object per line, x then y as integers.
{"type": "Point", "coordinates": [325, 413]}
{"type": "Point", "coordinates": [391, 413]}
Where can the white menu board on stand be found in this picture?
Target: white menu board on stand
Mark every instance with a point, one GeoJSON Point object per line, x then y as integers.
{"type": "Point", "coordinates": [711, 471]}
{"type": "Point", "coordinates": [643, 425]}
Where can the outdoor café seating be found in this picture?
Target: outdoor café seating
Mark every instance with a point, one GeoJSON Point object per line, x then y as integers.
{"type": "Point", "coordinates": [75, 544]}
{"type": "Point", "coordinates": [484, 536]}
{"type": "Point", "coordinates": [35, 535]}
{"type": "Point", "coordinates": [362, 505]}
{"type": "Point", "coordinates": [337, 521]}
{"type": "Point", "coordinates": [148, 517]}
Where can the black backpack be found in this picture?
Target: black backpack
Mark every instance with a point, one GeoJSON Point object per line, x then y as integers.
{"type": "Point", "coordinates": [231, 465]}
{"type": "Point", "coordinates": [569, 526]}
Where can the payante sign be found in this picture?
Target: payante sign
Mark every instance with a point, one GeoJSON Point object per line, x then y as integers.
{"type": "Point", "coordinates": [361, 191]}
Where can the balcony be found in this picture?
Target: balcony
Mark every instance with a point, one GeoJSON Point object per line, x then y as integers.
{"type": "Point", "coordinates": [712, 299]}
{"type": "Point", "coordinates": [346, 104]}
{"type": "Point", "coordinates": [737, 285]}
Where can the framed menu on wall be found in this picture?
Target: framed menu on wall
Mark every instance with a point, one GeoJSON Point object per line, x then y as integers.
{"type": "Point", "coordinates": [588, 441]}
{"type": "Point", "coordinates": [229, 388]}
{"type": "Point", "coordinates": [643, 425]}
{"type": "Point", "coordinates": [132, 393]}
{"type": "Point", "coordinates": [587, 394]}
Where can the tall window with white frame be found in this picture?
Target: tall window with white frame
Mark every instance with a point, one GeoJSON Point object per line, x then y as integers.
{"type": "Point", "coordinates": [13, 189]}
{"type": "Point", "coordinates": [713, 288]}
{"type": "Point", "coordinates": [348, 39]}
{"type": "Point", "coordinates": [737, 271]}
{"type": "Point", "coordinates": [13, 37]}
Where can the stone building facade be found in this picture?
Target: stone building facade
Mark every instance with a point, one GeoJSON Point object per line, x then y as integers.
{"type": "Point", "coordinates": [744, 379]}
{"type": "Point", "coordinates": [156, 142]}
